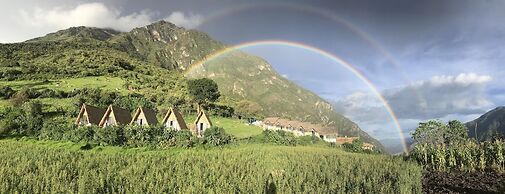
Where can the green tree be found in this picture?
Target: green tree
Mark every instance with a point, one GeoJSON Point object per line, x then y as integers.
{"type": "Point", "coordinates": [203, 91]}
{"type": "Point", "coordinates": [436, 132]}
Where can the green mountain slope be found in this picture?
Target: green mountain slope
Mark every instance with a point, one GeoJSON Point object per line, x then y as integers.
{"type": "Point", "coordinates": [137, 56]}
{"type": "Point", "coordinates": [488, 124]}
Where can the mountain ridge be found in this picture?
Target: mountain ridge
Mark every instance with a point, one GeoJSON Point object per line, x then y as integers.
{"type": "Point", "coordinates": [488, 124]}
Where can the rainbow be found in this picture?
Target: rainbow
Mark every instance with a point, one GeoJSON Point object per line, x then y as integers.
{"type": "Point", "coordinates": [334, 58]}
{"type": "Point", "coordinates": [327, 14]}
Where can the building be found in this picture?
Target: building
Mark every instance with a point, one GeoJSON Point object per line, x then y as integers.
{"type": "Point", "coordinates": [89, 115]}
{"type": "Point", "coordinates": [269, 123]}
{"type": "Point", "coordinates": [144, 117]}
{"type": "Point", "coordinates": [202, 122]}
{"type": "Point", "coordinates": [115, 116]}
{"type": "Point", "coordinates": [174, 120]}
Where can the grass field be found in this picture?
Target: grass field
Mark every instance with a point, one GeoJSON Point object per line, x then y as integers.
{"type": "Point", "coordinates": [235, 127]}
{"type": "Point", "coordinates": [105, 83]}
{"type": "Point", "coordinates": [57, 167]}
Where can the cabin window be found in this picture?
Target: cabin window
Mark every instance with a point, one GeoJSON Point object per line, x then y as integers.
{"type": "Point", "coordinates": [171, 123]}
{"type": "Point", "coordinates": [140, 121]}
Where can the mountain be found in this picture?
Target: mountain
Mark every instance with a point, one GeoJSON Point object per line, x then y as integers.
{"type": "Point", "coordinates": [151, 59]}
{"type": "Point", "coordinates": [395, 145]}
{"type": "Point", "coordinates": [488, 124]}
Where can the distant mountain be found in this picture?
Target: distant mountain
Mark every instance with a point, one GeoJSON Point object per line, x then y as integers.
{"type": "Point", "coordinates": [395, 145]}
{"type": "Point", "coordinates": [89, 51]}
{"type": "Point", "coordinates": [488, 124]}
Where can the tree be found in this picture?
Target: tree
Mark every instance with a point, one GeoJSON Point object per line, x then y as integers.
{"type": "Point", "coordinates": [436, 132]}
{"type": "Point", "coordinates": [203, 91]}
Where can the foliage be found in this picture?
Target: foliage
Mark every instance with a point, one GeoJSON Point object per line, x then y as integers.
{"type": "Point", "coordinates": [355, 146]}
{"type": "Point", "coordinates": [108, 136]}
{"type": "Point", "coordinates": [6, 92]}
{"type": "Point", "coordinates": [216, 136]}
{"type": "Point", "coordinates": [203, 90]}
{"type": "Point", "coordinates": [436, 132]}
{"type": "Point", "coordinates": [279, 137]}
{"type": "Point", "coordinates": [47, 167]}
{"type": "Point", "coordinates": [25, 120]}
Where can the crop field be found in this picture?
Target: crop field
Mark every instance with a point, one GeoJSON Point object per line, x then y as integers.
{"type": "Point", "coordinates": [57, 167]}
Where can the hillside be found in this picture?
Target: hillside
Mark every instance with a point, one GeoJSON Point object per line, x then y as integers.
{"type": "Point", "coordinates": [136, 57]}
{"type": "Point", "coordinates": [488, 124]}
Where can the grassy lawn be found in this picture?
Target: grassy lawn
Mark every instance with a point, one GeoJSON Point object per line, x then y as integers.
{"type": "Point", "coordinates": [105, 83]}
{"type": "Point", "coordinates": [235, 127]}
{"type": "Point", "coordinates": [53, 104]}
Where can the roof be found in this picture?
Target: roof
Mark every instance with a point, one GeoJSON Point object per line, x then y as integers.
{"type": "Point", "coordinates": [342, 140]}
{"type": "Point", "coordinates": [327, 131]}
{"type": "Point", "coordinates": [122, 116]}
{"type": "Point", "coordinates": [283, 122]}
{"type": "Point", "coordinates": [270, 120]}
{"type": "Point", "coordinates": [200, 115]}
{"type": "Point", "coordinates": [178, 117]}
{"type": "Point", "coordinates": [94, 113]}
{"type": "Point", "coordinates": [150, 115]}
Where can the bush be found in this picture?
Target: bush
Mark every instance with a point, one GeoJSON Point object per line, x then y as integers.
{"type": "Point", "coordinates": [84, 134]}
{"type": "Point", "coordinates": [185, 139]}
{"type": "Point", "coordinates": [279, 137]}
{"type": "Point", "coordinates": [109, 136]}
{"type": "Point", "coordinates": [216, 136]}
{"type": "Point", "coordinates": [55, 128]}
{"type": "Point", "coordinates": [138, 136]}
{"type": "Point", "coordinates": [6, 92]}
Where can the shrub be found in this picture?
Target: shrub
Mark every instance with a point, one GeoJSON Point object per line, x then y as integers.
{"type": "Point", "coordinates": [185, 139]}
{"type": "Point", "coordinates": [54, 128]}
{"type": "Point", "coordinates": [6, 92]}
{"type": "Point", "coordinates": [279, 137]}
{"type": "Point", "coordinates": [138, 136]}
{"type": "Point", "coordinates": [216, 136]}
{"type": "Point", "coordinates": [109, 136]}
{"type": "Point", "coordinates": [82, 134]}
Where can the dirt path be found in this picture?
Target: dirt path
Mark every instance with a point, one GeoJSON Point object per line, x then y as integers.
{"type": "Point", "coordinates": [462, 182]}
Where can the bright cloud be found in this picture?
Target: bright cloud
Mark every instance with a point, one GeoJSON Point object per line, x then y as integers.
{"type": "Point", "coordinates": [187, 21]}
{"type": "Point", "coordinates": [99, 15]}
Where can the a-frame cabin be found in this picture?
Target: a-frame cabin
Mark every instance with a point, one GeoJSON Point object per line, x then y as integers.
{"type": "Point", "coordinates": [89, 115]}
{"type": "Point", "coordinates": [174, 120]}
{"type": "Point", "coordinates": [202, 122]}
{"type": "Point", "coordinates": [115, 116]}
{"type": "Point", "coordinates": [144, 117]}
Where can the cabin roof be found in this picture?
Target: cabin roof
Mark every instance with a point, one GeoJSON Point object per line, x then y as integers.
{"type": "Point", "coordinates": [200, 115]}
{"type": "Point", "coordinates": [122, 116]}
{"type": "Point", "coordinates": [95, 114]}
{"type": "Point", "coordinates": [178, 117]}
{"type": "Point", "coordinates": [150, 115]}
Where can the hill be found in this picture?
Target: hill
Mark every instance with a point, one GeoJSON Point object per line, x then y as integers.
{"type": "Point", "coordinates": [153, 60]}
{"type": "Point", "coordinates": [489, 124]}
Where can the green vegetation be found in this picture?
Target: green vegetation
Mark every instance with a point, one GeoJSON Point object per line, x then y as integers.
{"type": "Point", "coordinates": [47, 167]}
{"type": "Point", "coordinates": [69, 84]}
{"type": "Point", "coordinates": [445, 147]}
{"type": "Point", "coordinates": [237, 128]}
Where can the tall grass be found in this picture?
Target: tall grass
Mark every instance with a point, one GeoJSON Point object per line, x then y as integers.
{"type": "Point", "coordinates": [62, 168]}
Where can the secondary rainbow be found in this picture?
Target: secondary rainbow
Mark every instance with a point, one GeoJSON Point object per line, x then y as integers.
{"type": "Point", "coordinates": [333, 57]}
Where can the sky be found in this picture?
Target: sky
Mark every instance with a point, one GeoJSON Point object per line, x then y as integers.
{"type": "Point", "coordinates": [433, 59]}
